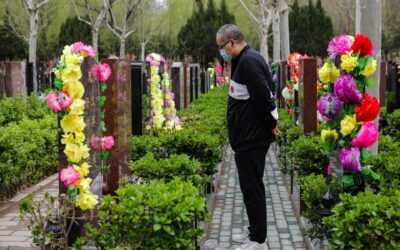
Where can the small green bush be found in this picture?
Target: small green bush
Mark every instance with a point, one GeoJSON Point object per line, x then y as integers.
{"type": "Point", "coordinates": [28, 152]}
{"type": "Point", "coordinates": [393, 124]}
{"type": "Point", "coordinates": [149, 168]}
{"type": "Point", "coordinates": [154, 215]}
{"type": "Point", "coordinates": [308, 154]}
{"type": "Point", "coordinates": [366, 221]}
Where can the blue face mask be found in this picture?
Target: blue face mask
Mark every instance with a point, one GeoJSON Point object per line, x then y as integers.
{"type": "Point", "coordinates": [225, 56]}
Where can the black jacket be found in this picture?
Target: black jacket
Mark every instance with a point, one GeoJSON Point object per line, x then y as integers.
{"type": "Point", "coordinates": [250, 102]}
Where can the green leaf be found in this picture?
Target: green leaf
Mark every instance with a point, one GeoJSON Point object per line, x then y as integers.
{"type": "Point", "coordinates": [58, 83]}
{"type": "Point", "coordinates": [103, 126]}
{"type": "Point", "coordinates": [370, 82]}
{"type": "Point", "coordinates": [103, 114]}
{"type": "Point", "coordinates": [102, 100]}
{"type": "Point", "coordinates": [366, 171]}
{"type": "Point", "coordinates": [104, 155]}
{"type": "Point", "coordinates": [156, 227]}
{"type": "Point", "coordinates": [365, 154]}
{"type": "Point", "coordinates": [103, 86]}
{"type": "Point", "coordinates": [348, 181]}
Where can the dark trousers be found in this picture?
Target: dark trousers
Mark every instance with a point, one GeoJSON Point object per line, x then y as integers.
{"type": "Point", "coordinates": [250, 165]}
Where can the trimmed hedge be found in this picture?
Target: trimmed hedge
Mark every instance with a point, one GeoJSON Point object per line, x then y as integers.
{"type": "Point", "coordinates": [28, 152]}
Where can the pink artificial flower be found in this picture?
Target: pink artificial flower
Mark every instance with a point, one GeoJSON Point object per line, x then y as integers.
{"type": "Point", "coordinates": [328, 170]}
{"type": "Point", "coordinates": [69, 176]}
{"type": "Point", "coordinates": [101, 72]}
{"type": "Point", "coordinates": [77, 46]}
{"type": "Point", "coordinates": [107, 142]}
{"type": "Point", "coordinates": [367, 135]}
{"type": "Point", "coordinates": [63, 99]}
{"type": "Point", "coordinates": [94, 142]}
{"type": "Point", "coordinates": [339, 45]}
{"type": "Point", "coordinates": [53, 102]}
{"type": "Point", "coordinates": [89, 50]}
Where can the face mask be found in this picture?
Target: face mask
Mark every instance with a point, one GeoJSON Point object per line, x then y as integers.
{"type": "Point", "coordinates": [225, 56]}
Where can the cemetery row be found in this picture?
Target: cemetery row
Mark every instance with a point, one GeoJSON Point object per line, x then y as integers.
{"type": "Point", "coordinates": [347, 196]}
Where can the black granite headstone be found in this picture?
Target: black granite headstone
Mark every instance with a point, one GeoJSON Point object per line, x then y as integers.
{"type": "Point", "coordinates": [138, 82]}
{"type": "Point", "coordinates": [177, 77]}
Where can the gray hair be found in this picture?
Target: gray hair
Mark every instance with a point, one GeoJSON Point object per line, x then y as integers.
{"type": "Point", "coordinates": [230, 31]}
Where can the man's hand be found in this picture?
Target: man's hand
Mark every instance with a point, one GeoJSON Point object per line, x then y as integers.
{"type": "Point", "coordinates": [276, 131]}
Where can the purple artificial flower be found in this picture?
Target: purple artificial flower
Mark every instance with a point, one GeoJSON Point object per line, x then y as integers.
{"type": "Point", "coordinates": [367, 135]}
{"type": "Point", "coordinates": [275, 77]}
{"type": "Point", "coordinates": [167, 104]}
{"type": "Point", "coordinates": [329, 105]}
{"type": "Point", "coordinates": [339, 45]}
{"type": "Point", "coordinates": [350, 159]}
{"type": "Point", "coordinates": [346, 89]}
{"type": "Point", "coordinates": [172, 95]}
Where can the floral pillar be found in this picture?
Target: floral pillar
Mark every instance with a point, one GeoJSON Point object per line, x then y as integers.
{"type": "Point", "coordinates": [117, 116]}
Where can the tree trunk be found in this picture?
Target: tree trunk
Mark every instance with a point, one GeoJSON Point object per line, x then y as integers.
{"type": "Point", "coordinates": [122, 48]}
{"type": "Point", "coordinates": [142, 57]}
{"type": "Point", "coordinates": [368, 22]}
{"type": "Point", "coordinates": [284, 29]}
{"type": "Point", "coordinates": [95, 39]}
{"type": "Point", "coordinates": [276, 36]}
{"type": "Point", "coordinates": [264, 43]}
{"type": "Point", "coordinates": [33, 26]}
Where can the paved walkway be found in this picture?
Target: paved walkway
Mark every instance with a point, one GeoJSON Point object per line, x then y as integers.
{"type": "Point", "coordinates": [14, 233]}
{"type": "Point", "coordinates": [229, 216]}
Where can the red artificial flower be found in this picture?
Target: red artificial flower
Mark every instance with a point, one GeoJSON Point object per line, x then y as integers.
{"type": "Point", "coordinates": [368, 109]}
{"type": "Point", "coordinates": [363, 45]}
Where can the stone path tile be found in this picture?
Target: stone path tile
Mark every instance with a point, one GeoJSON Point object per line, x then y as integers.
{"type": "Point", "coordinates": [14, 234]}
{"type": "Point", "coordinates": [229, 215]}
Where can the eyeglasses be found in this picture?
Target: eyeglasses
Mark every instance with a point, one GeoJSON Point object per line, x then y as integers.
{"type": "Point", "coordinates": [221, 47]}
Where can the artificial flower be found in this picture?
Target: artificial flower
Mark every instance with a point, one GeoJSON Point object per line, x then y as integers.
{"type": "Point", "coordinates": [85, 50]}
{"type": "Point", "coordinates": [329, 72]}
{"type": "Point", "coordinates": [108, 142]}
{"type": "Point", "coordinates": [329, 135]}
{"type": "Point", "coordinates": [63, 99]}
{"type": "Point", "coordinates": [363, 45]}
{"type": "Point", "coordinates": [350, 159]}
{"type": "Point", "coordinates": [329, 105]}
{"type": "Point", "coordinates": [368, 109]}
{"type": "Point", "coordinates": [77, 107]}
{"type": "Point", "coordinates": [101, 72]}
{"type": "Point", "coordinates": [75, 89]}
{"type": "Point", "coordinates": [77, 47]}
{"type": "Point", "coordinates": [83, 169]}
{"type": "Point", "coordinates": [348, 124]}
{"type": "Point", "coordinates": [53, 102]}
{"type": "Point", "coordinates": [67, 50]}
{"type": "Point", "coordinates": [87, 201]}
{"type": "Point", "coordinates": [287, 93]}
{"type": "Point", "coordinates": [73, 59]}
{"type": "Point", "coordinates": [72, 123]}
{"type": "Point", "coordinates": [71, 73]}
{"type": "Point", "coordinates": [346, 89]}
{"type": "Point", "coordinates": [68, 138]}
{"type": "Point", "coordinates": [370, 67]}
{"type": "Point", "coordinates": [75, 153]}
{"type": "Point", "coordinates": [83, 185]}
{"type": "Point", "coordinates": [79, 137]}
{"type": "Point", "coordinates": [339, 45]}
{"type": "Point", "coordinates": [367, 135]}
{"type": "Point", "coordinates": [69, 176]}
{"type": "Point", "coordinates": [349, 62]}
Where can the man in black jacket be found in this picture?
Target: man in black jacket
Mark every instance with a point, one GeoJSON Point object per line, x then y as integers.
{"type": "Point", "coordinates": [252, 119]}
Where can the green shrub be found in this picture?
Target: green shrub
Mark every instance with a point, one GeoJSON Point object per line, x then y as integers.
{"type": "Point", "coordinates": [308, 154]}
{"type": "Point", "coordinates": [28, 152]}
{"type": "Point", "coordinates": [366, 221]}
{"type": "Point", "coordinates": [154, 215]}
{"type": "Point", "coordinates": [313, 188]}
{"type": "Point", "coordinates": [393, 124]}
{"type": "Point", "coordinates": [143, 144]}
{"type": "Point", "coordinates": [149, 168]}
{"type": "Point", "coordinates": [15, 109]}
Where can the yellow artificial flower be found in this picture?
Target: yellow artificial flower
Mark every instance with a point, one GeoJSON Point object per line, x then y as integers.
{"type": "Point", "coordinates": [328, 73]}
{"type": "Point", "coordinates": [79, 137]}
{"type": "Point", "coordinates": [75, 89]}
{"type": "Point", "coordinates": [68, 138]}
{"type": "Point", "coordinates": [87, 201]}
{"type": "Point", "coordinates": [75, 153]}
{"type": "Point", "coordinates": [73, 59]}
{"type": "Point", "coordinates": [349, 62]}
{"type": "Point", "coordinates": [77, 107]}
{"type": "Point", "coordinates": [71, 73]}
{"type": "Point", "coordinates": [348, 124]}
{"type": "Point", "coordinates": [72, 123]}
{"type": "Point", "coordinates": [370, 68]}
{"type": "Point", "coordinates": [67, 50]}
{"type": "Point", "coordinates": [83, 170]}
{"type": "Point", "coordinates": [178, 127]}
{"type": "Point", "coordinates": [83, 185]}
{"type": "Point", "coordinates": [57, 73]}
{"type": "Point", "coordinates": [212, 87]}
{"type": "Point", "coordinates": [329, 135]}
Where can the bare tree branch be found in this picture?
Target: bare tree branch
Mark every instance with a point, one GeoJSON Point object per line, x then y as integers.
{"type": "Point", "coordinates": [42, 3]}
{"type": "Point", "coordinates": [249, 12]}
{"type": "Point", "coordinates": [77, 13]}
{"type": "Point", "coordinates": [14, 30]}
